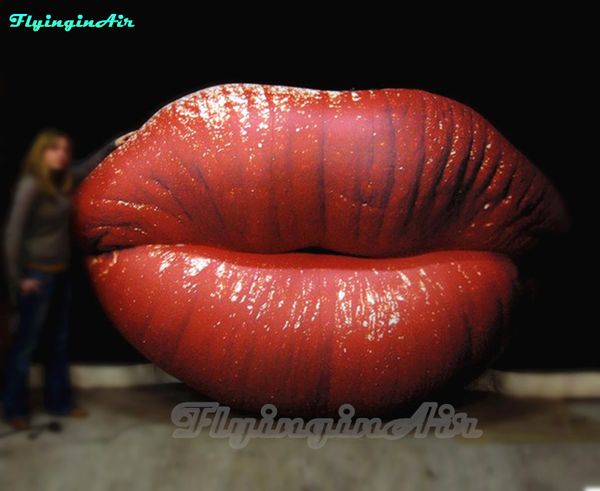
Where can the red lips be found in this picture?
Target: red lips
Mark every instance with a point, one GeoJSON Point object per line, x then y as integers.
{"type": "Point", "coordinates": [411, 204]}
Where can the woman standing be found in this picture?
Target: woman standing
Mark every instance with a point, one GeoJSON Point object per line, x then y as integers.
{"type": "Point", "coordinates": [37, 255]}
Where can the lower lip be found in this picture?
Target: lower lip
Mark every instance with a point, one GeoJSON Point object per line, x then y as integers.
{"type": "Point", "coordinates": [309, 332]}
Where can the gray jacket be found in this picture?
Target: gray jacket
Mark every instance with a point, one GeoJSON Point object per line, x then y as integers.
{"type": "Point", "coordinates": [37, 230]}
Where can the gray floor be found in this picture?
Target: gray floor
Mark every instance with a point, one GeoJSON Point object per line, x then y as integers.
{"type": "Point", "coordinates": [127, 443]}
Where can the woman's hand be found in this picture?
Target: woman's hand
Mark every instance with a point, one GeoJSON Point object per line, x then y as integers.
{"type": "Point", "coordinates": [30, 285]}
{"type": "Point", "coordinates": [123, 138]}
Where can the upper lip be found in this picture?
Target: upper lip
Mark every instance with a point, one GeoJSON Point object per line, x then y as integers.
{"type": "Point", "coordinates": [427, 174]}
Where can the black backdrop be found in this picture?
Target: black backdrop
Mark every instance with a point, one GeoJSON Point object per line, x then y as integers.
{"type": "Point", "coordinates": [529, 77]}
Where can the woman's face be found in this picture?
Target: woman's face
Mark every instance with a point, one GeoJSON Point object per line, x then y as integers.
{"type": "Point", "coordinates": [58, 155]}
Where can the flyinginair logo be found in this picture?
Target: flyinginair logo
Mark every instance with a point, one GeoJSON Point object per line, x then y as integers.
{"type": "Point", "coordinates": [28, 22]}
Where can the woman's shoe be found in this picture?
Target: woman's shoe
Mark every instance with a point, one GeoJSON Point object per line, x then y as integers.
{"type": "Point", "coordinates": [78, 412]}
{"type": "Point", "coordinates": [19, 423]}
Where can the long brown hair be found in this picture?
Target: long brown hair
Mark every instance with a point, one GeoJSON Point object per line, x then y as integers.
{"type": "Point", "coordinates": [33, 163]}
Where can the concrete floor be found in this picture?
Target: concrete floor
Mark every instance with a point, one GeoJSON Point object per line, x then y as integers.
{"type": "Point", "coordinates": [126, 443]}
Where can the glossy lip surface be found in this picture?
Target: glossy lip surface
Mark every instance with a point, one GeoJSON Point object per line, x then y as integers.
{"type": "Point", "coordinates": [306, 331]}
{"type": "Point", "coordinates": [191, 227]}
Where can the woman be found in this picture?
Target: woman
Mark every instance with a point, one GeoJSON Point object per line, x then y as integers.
{"type": "Point", "coordinates": [37, 255]}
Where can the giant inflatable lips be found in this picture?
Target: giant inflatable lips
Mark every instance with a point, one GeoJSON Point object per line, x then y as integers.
{"type": "Point", "coordinates": [311, 248]}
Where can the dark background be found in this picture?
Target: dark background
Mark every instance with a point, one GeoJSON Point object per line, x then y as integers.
{"type": "Point", "coordinates": [531, 77]}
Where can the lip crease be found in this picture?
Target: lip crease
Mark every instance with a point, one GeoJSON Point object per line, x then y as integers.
{"type": "Point", "coordinates": [312, 248]}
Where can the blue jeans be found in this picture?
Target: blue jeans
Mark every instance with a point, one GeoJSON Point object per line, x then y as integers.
{"type": "Point", "coordinates": [43, 321]}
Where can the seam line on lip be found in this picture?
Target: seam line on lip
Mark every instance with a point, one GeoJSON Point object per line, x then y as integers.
{"type": "Point", "coordinates": [333, 254]}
